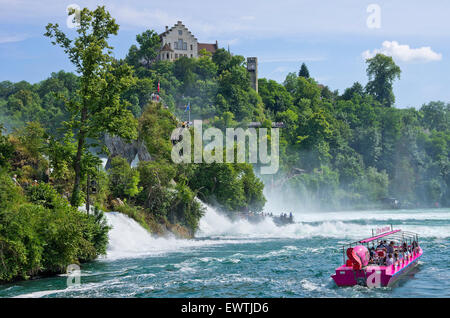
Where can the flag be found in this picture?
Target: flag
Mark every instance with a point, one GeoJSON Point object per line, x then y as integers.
{"type": "Point", "coordinates": [158, 86]}
{"type": "Point", "coordinates": [188, 107]}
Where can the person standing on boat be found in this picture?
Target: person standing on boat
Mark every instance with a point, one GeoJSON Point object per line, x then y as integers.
{"type": "Point", "coordinates": [389, 260]}
{"type": "Point", "coordinates": [390, 248]}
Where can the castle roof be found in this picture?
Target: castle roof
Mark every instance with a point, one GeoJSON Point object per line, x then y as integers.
{"type": "Point", "coordinates": [210, 47]}
{"type": "Point", "coordinates": [179, 23]}
{"type": "Point", "coordinates": [166, 47]}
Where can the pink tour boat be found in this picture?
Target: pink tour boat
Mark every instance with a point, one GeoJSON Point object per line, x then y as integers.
{"type": "Point", "coordinates": [380, 260]}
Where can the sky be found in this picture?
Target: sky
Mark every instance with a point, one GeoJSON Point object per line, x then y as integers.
{"type": "Point", "coordinates": [333, 38]}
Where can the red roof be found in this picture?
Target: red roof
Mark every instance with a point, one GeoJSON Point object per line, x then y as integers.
{"type": "Point", "coordinates": [210, 47]}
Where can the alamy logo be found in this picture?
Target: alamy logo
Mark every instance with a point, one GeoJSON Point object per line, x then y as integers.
{"type": "Point", "coordinates": [374, 279]}
{"type": "Point", "coordinates": [73, 275]}
{"type": "Point", "coordinates": [374, 19]}
{"type": "Point", "coordinates": [73, 20]}
{"type": "Point", "coordinates": [258, 143]}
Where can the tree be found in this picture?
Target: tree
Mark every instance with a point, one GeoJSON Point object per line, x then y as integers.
{"type": "Point", "coordinates": [356, 88]}
{"type": "Point", "coordinates": [436, 115]}
{"type": "Point", "coordinates": [149, 45]}
{"type": "Point", "coordinates": [382, 71]}
{"type": "Point", "coordinates": [123, 180]}
{"type": "Point", "coordinates": [303, 71]}
{"type": "Point", "coordinates": [222, 58]}
{"type": "Point", "coordinates": [97, 107]}
{"type": "Point", "coordinates": [274, 95]}
{"type": "Point", "coordinates": [6, 148]}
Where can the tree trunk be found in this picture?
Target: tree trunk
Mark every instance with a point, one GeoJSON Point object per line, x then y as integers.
{"type": "Point", "coordinates": [77, 162]}
{"type": "Point", "coordinates": [87, 193]}
{"type": "Point", "coordinates": [77, 168]}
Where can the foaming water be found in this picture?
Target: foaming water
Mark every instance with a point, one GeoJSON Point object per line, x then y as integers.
{"type": "Point", "coordinates": [326, 224]}
{"type": "Point", "coordinates": [128, 239]}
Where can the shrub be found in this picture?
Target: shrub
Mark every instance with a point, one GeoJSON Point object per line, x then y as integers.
{"type": "Point", "coordinates": [123, 180]}
{"type": "Point", "coordinates": [46, 234]}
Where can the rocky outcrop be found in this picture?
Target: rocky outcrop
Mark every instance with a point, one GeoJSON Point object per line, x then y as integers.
{"type": "Point", "coordinates": [128, 150]}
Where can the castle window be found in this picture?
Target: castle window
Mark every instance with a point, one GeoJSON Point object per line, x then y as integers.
{"type": "Point", "coordinates": [191, 47]}
{"type": "Point", "coordinates": [176, 55]}
{"type": "Point", "coordinates": [175, 45]}
{"type": "Point", "coordinates": [180, 32]}
{"type": "Point", "coordinates": [180, 44]}
{"type": "Point", "coordinates": [185, 46]}
{"type": "Point", "coordinates": [167, 55]}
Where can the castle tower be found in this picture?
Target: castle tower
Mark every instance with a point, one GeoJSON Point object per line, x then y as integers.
{"type": "Point", "coordinates": [252, 68]}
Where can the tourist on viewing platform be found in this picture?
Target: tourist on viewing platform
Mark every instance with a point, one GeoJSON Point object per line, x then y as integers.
{"type": "Point", "coordinates": [14, 178]}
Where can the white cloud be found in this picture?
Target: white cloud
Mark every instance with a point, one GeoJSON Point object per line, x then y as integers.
{"type": "Point", "coordinates": [11, 38]}
{"type": "Point", "coordinates": [404, 53]}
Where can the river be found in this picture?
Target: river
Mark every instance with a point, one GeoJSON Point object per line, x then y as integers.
{"type": "Point", "coordinates": [244, 260]}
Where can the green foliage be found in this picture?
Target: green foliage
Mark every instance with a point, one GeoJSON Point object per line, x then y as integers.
{"type": "Point", "coordinates": [44, 194]}
{"type": "Point", "coordinates": [97, 107]}
{"type": "Point", "coordinates": [42, 233]}
{"type": "Point", "coordinates": [146, 53]}
{"type": "Point", "coordinates": [6, 149]}
{"type": "Point", "coordinates": [337, 150]}
{"type": "Point", "coordinates": [274, 96]}
{"type": "Point", "coordinates": [382, 71]}
{"type": "Point", "coordinates": [123, 180]}
{"type": "Point", "coordinates": [304, 72]}
{"type": "Point", "coordinates": [234, 187]}
{"type": "Point", "coordinates": [156, 125]}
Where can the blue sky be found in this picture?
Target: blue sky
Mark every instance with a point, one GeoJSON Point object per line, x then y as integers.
{"type": "Point", "coordinates": [331, 37]}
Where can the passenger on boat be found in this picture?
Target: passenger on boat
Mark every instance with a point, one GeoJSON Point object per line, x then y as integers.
{"type": "Point", "coordinates": [390, 248]}
{"type": "Point", "coordinates": [371, 252]}
{"type": "Point", "coordinates": [404, 247]}
{"type": "Point", "coordinates": [414, 246]}
{"type": "Point", "coordinates": [389, 260]}
{"type": "Point", "coordinates": [407, 253]}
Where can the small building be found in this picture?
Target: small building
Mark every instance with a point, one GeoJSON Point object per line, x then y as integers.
{"type": "Point", "coordinates": [178, 41]}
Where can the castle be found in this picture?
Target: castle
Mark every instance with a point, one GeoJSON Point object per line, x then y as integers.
{"type": "Point", "coordinates": [178, 41]}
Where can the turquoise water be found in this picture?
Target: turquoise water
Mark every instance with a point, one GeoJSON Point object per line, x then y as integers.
{"type": "Point", "coordinates": [244, 260]}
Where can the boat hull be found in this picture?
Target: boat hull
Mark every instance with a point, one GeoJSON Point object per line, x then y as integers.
{"type": "Point", "coordinates": [375, 276]}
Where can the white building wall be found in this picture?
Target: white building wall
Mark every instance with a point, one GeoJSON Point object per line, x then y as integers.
{"type": "Point", "coordinates": [173, 36]}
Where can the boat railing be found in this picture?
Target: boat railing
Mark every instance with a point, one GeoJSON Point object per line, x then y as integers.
{"type": "Point", "coordinates": [393, 235]}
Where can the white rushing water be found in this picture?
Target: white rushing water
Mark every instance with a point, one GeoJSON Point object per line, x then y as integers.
{"type": "Point", "coordinates": [128, 239]}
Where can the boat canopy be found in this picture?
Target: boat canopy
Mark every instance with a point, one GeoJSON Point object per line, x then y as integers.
{"type": "Point", "coordinates": [370, 239]}
{"type": "Point", "coordinates": [396, 235]}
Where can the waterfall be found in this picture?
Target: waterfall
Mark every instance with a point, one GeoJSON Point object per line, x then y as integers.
{"type": "Point", "coordinates": [128, 239]}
